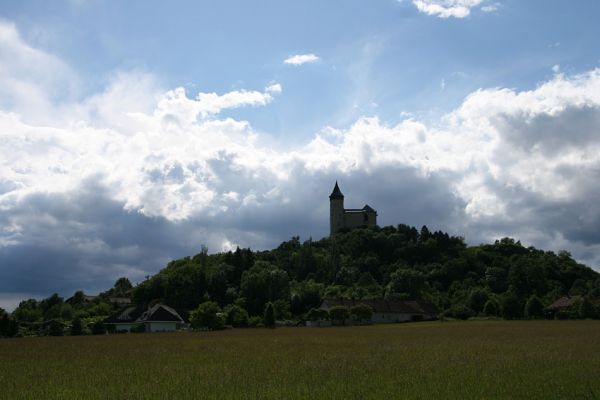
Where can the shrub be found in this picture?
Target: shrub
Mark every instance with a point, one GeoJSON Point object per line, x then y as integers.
{"type": "Point", "coordinates": [76, 327]}
{"type": "Point", "coordinates": [207, 316]}
{"type": "Point", "coordinates": [317, 314]}
{"type": "Point", "coordinates": [98, 328]}
{"type": "Point", "coordinates": [361, 312]}
{"type": "Point", "coordinates": [255, 322]}
{"type": "Point", "coordinates": [534, 308]}
{"type": "Point", "coordinates": [585, 309]}
{"type": "Point", "coordinates": [510, 306]}
{"type": "Point", "coordinates": [491, 308]}
{"type": "Point", "coordinates": [339, 313]}
{"type": "Point", "coordinates": [236, 316]}
{"type": "Point", "coordinates": [269, 316]}
{"type": "Point", "coordinates": [139, 328]}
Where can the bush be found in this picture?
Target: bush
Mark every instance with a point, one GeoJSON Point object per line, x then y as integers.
{"type": "Point", "coordinates": [534, 308]}
{"type": "Point", "coordinates": [361, 312]}
{"type": "Point", "coordinates": [255, 322]}
{"type": "Point", "coordinates": [269, 316]}
{"type": "Point", "coordinates": [317, 314]}
{"type": "Point", "coordinates": [207, 316]}
{"type": "Point", "coordinates": [139, 328]}
{"type": "Point", "coordinates": [585, 309]}
{"type": "Point", "coordinates": [477, 300]}
{"type": "Point", "coordinates": [460, 312]}
{"type": "Point", "coordinates": [510, 306]}
{"type": "Point", "coordinates": [339, 313]}
{"type": "Point", "coordinates": [98, 328]}
{"type": "Point", "coordinates": [76, 327]}
{"type": "Point", "coordinates": [491, 308]}
{"type": "Point", "coordinates": [236, 316]}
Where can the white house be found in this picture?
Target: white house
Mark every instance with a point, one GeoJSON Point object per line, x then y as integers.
{"type": "Point", "coordinates": [158, 318]}
{"type": "Point", "coordinates": [387, 311]}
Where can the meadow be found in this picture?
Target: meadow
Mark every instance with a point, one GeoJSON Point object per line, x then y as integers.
{"type": "Point", "coordinates": [467, 360]}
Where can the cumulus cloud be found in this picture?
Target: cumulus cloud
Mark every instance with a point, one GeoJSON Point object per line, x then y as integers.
{"type": "Point", "coordinates": [136, 175]}
{"type": "Point", "coordinates": [300, 59]}
{"type": "Point", "coordinates": [451, 8]}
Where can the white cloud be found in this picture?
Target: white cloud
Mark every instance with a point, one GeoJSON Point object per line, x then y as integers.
{"type": "Point", "coordinates": [451, 8]}
{"type": "Point", "coordinates": [522, 163]}
{"type": "Point", "coordinates": [30, 79]}
{"type": "Point", "coordinates": [300, 59]}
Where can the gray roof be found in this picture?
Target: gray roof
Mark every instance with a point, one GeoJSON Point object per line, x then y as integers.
{"type": "Point", "coordinates": [337, 193]}
{"type": "Point", "coordinates": [384, 306]}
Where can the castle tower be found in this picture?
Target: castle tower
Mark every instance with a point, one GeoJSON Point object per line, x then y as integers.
{"type": "Point", "coordinates": [336, 210]}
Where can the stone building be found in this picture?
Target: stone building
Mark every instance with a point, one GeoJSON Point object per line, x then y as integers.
{"type": "Point", "coordinates": [340, 217]}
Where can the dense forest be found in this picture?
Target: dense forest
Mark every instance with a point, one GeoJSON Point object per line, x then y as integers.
{"type": "Point", "coordinates": [504, 279]}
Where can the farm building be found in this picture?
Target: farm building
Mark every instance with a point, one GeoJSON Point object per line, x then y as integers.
{"type": "Point", "coordinates": [388, 311]}
{"type": "Point", "coordinates": [158, 318]}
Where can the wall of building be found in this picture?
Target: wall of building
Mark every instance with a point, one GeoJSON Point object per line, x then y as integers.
{"type": "Point", "coordinates": [161, 326]}
{"type": "Point", "coordinates": [336, 215]}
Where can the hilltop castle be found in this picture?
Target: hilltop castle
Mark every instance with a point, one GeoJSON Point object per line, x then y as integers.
{"type": "Point", "coordinates": [340, 217]}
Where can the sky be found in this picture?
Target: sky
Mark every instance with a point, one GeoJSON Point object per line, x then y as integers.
{"type": "Point", "coordinates": [133, 133]}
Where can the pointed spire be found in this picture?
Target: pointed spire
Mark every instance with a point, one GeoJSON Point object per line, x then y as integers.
{"type": "Point", "coordinates": [337, 193]}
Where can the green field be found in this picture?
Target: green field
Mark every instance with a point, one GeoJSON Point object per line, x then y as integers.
{"type": "Point", "coordinates": [479, 360]}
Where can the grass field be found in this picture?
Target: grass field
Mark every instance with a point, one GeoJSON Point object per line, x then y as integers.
{"type": "Point", "coordinates": [478, 360]}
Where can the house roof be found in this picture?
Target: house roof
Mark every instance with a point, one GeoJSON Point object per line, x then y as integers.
{"type": "Point", "coordinates": [119, 300]}
{"type": "Point", "coordinates": [336, 193]}
{"type": "Point", "coordinates": [135, 315]}
{"type": "Point", "coordinates": [384, 306]}
{"type": "Point", "coordinates": [367, 208]}
{"type": "Point", "coordinates": [162, 313]}
{"type": "Point", "coordinates": [564, 302]}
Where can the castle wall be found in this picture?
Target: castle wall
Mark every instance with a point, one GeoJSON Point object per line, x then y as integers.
{"type": "Point", "coordinates": [355, 219]}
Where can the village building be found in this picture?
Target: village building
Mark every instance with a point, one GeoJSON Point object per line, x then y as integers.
{"type": "Point", "coordinates": [158, 318]}
{"type": "Point", "coordinates": [348, 218]}
{"type": "Point", "coordinates": [385, 311]}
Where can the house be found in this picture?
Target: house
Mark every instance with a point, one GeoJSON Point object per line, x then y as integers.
{"type": "Point", "coordinates": [564, 303]}
{"type": "Point", "coordinates": [348, 218]}
{"type": "Point", "coordinates": [157, 318]}
{"type": "Point", "coordinates": [388, 311]}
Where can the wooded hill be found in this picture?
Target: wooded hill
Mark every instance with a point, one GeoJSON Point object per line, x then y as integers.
{"type": "Point", "coordinates": [501, 279]}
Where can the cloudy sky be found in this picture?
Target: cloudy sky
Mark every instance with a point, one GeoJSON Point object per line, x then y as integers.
{"type": "Point", "coordinates": [132, 133]}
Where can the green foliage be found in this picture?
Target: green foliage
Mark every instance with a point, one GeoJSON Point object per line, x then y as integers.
{"type": "Point", "coordinates": [534, 307]}
{"type": "Point", "coordinates": [339, 313]}
{"type": "Point", "coordinates": [236, 316]}
{"type": "Point", "coordinates": [586, 309]}
{"type": "Point", "coordinates": [98, 328]}
{"type": "Point", "coordinates": [317, 314]}
{"type": "Point", "coordinates": [491, 308]}
{"type": "Point", "coordinates": [361, 312]}
{"type": "Point", "coordinates": [269, 316]}
{"type": "Point", "coordinates": [477, 299]}
{"type": "Point", "coordinates": [76, 327]}
{"type": "Point", "coordinates": [207, 316]}
{"type": "Point", "coordinates": [510, 306]}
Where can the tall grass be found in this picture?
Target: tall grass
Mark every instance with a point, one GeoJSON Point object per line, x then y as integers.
{"type": "Point", "coordinates": [467, 360]}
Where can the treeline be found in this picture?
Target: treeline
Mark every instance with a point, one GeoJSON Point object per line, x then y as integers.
{"type": "Point", "coordinates": [502, 279]}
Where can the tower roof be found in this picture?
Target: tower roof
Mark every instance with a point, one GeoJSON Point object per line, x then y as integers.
{"type": "Point", "coordinates": [337, 193]}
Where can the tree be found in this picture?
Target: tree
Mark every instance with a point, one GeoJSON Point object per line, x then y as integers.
{"type": "Point", "coordinates": [339, 313]}
{"type": "Point", "coordinates": [317, 314]}
{"type": "Point", "coordinates": [206, 316]}
{"type": "Point", "coordinates": [586, 309]}
{"type": "Point", "coordinates": [269, 316]}
{"type": "Point", "coordinates": [477, 300]}
{"type": "Point", "coordinates": [361, 312]}
{"type": "Point", "coordinates": [510, 306]}
{"type": "Point", "coordinates": [534, 308]}
{"type": "Point", "coordinates": [76, 327]}
{"type": "Point", "coordinates": [490, 308]}
{"type": "Point", "coordinates": [236, 316]}
{"type": "Point", "coordinates": [122, 286]}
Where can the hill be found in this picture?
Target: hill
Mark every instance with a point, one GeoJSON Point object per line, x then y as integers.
{"type": "Point", "coordinates": [500, 279]}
